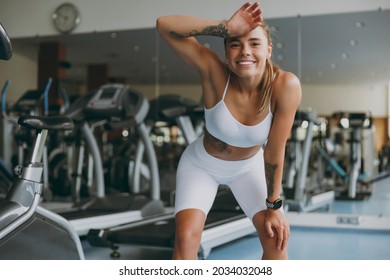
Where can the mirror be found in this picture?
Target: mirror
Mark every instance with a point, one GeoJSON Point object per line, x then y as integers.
{"type": "Point", "coordinates": [336, 49]}
{"type": "Point", "coordinates": [340, 58]}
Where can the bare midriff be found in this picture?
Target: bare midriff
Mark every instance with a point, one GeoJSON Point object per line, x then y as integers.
{"type": "Point", "coordinates": [224, 151]}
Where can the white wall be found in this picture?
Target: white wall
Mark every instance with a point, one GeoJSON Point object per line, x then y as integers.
{"type": "Point", "coordinates": [21, 70]}
{"type": "Point", "coordinates": [328, 99]}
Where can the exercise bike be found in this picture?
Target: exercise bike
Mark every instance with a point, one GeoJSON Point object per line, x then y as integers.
{"type": "Point", "coordinates": [28, 231]}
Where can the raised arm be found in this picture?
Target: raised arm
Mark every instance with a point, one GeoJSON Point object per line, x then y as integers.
{"type": "Point", "coordinates": [180, 31]}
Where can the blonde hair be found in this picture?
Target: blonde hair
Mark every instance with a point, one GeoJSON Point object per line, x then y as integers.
{"type": "Point", "coordinates": [266, 83]}
{"type": "Point", "coordinates": [266, 86]}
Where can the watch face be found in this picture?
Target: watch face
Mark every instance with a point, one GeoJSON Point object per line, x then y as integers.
{"type": "Point", "coordinates": [66, 17]}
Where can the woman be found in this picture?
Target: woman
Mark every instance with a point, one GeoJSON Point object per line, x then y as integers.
{"type": "Point", "coordinates": [250, 107]}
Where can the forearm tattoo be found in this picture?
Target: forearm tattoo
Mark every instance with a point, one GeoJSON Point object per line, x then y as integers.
{"type": "Point", "coordinates": [214, 30]}
{"type": "Point", "coordinates": [270, 170]}
{"type": "Point", "coordinates": [217, 144]}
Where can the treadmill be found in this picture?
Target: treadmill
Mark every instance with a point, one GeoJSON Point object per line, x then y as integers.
{"type": "Point", "coordinates": [120, 106]}
{"type": "Point", "coordinates": [186, 113]}
{"type": "Point", "coordinates": [225, 222]}
{"type": "Point", "coordinates": [169, 110]}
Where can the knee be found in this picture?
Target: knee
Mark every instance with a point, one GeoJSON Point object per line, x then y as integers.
{"type": "Point", "coordinates": [189, 228]}
{"type": "Point", "coordinates": [269, 244]}
{"type": "Point", "coordinates": [187, 241]}
{"type": "Point", "coordinates": [188, 236]}
{"type": "Point", "coordinates": [270, 251]}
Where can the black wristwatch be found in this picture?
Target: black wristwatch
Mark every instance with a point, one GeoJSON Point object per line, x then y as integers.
{"type": "Point", "coordinates": [274, 205]}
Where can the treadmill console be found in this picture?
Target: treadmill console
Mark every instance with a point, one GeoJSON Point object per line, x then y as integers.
{"type": "Point", "coordinates": [353, 119]}
{"type": "Point", "coordinates": [28, 102]}
{"type": "Point", "coordinates": [302, 116]}
{"type": "Point", "coordinates": [117, 102]}
{"type": "Point", "coordinates": [107, 101]}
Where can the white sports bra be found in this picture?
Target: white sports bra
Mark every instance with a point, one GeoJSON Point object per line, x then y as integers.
{"type": "Point", "coordinates": [221, 124]}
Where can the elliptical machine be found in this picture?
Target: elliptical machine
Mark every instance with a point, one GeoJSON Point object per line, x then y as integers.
{"type": "Point", "coordinates": [300, 196]}
{"type": "Point", "coordinates": [358, 184]}
{"type": "Point", "coordinates": [27, 231]}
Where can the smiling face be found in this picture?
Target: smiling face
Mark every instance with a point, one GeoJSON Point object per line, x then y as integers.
{"type": "Point", "coordinates": [246, 55]}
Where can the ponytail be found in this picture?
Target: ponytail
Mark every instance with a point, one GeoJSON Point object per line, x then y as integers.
{"type": "Point", "coordinates": [266, 85]}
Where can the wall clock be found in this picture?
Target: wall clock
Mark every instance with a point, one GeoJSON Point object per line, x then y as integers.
{"type": "Point", "coordinates": [66, 17]}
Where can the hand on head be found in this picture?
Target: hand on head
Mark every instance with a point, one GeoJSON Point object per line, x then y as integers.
{"type": "Point", "coordinates": [245, 19]}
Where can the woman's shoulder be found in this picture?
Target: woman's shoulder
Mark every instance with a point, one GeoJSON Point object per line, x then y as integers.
{"type": "Point", "coordinates": [286, 86]}
{"type": "Point", "coordinates": [285, 78]}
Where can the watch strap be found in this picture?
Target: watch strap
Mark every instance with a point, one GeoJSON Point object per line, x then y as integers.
{"type": "Point", "coordinates": [274, 205]}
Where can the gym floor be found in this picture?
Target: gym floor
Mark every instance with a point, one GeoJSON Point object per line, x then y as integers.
{"type": "Point", "coordinates": [304, 244]}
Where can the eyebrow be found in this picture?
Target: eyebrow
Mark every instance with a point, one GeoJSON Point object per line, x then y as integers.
{"type": "Point", "coordinates": [235, 39]}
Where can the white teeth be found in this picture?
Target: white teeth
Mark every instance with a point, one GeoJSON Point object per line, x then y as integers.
{"type": "Point", "coordinates": [245, 62]}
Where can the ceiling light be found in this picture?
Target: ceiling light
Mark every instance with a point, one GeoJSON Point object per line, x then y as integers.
{"type": "Point", "coordinates": [280, 57]}
{"type": "Point", "coordinates": [345, 55]}
{"type": "Point", "coordinates": [279, 45]}
{"type": "Point", "coordinates": [353, 43]}
{"type": "Point", "coordinates": [333, 65]}
{"type": "Point", "coordinates": [359, 24]}
{"type": "Point", "coordinates": [136, 48]}
{"type": "Point", "coordinates": [113, 35]}
{"type": "Point", "coordinates": [320, 73]}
